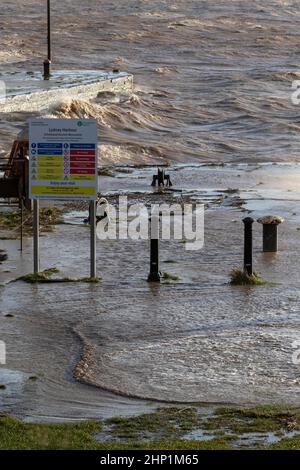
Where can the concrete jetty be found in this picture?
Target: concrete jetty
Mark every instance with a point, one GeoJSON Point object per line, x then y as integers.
{"type": "Point", "coordinates": [29, 92]}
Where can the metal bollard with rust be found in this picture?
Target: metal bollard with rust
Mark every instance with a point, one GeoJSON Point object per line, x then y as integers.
{"type": "Point", "coordinates": [161, 179]}
{"type": "Point", "coordinates": [270, 232]}
{"type": "Point", "coordinates": [248, 246]}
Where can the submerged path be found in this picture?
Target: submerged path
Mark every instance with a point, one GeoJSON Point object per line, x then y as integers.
{"type": "Point", "coordinates": [195, 340]}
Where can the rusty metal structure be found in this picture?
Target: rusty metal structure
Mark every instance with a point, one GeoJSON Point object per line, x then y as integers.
{"type": "Point", "coordinates": [14, 182]}
{"type": "Point", "coordinates": [161, 179]}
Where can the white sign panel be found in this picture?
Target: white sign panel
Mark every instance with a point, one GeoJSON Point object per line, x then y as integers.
{"type": "Point", "coordinates": [63, 159]}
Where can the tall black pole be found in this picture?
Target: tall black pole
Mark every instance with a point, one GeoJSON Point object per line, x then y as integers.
{"type": "Point", "coordinates": [47, 63]}
{"type": "Point", "coordinates": [49, 29]}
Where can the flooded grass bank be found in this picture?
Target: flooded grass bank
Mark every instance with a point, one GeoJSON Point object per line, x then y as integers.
{"type": "Point", "coordinates": [166, 428]}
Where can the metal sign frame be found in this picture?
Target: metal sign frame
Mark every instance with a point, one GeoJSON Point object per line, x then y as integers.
{"type": "Point", "coordinates": [60, 157]}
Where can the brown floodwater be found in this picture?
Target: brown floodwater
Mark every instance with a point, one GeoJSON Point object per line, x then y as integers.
{"type": "Point", "coordinates": [212, 78]}
{"type": "Point", "coordinates": [129, 343]}
{"type": "Point", "coordinates": [212, 84]}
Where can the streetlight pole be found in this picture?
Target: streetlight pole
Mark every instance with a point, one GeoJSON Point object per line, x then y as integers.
{"type": "Point", "coordinates": [49, 29]}
{"type": "Point", "coordinates": [47, 62]}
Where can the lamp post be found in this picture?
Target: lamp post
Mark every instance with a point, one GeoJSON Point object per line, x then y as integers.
{"type": "Point", "coordinates": [47, 62]}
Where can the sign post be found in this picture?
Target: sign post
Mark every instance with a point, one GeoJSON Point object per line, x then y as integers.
{"type": "Point", "coordinates": [63, 166]}
{"type": "Point", "coordinates": [36, 238]}
{"type": "Point", "coordinates": [93, 268]}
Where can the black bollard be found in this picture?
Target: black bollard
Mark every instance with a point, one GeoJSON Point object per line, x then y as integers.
{"type": "Point", "coordinates": [47, 69]}
{"type": "Point", "coordinates": [270, 232]}
{"type": "Point", "coordinates": [155, 274]}
{"type": "Point", "coordinates": [248, 246]}
{"type": "Point", "coordinates": [270, 238]}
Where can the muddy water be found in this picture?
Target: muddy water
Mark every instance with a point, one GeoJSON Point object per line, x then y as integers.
{"type": "Point", "coordinates": [212, 84]}
{"type": "Point", "coordinates": [196, 340]}
{"type": "Point", "coordinates": [213, 78]}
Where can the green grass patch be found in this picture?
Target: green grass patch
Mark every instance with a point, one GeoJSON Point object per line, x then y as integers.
{"type": "Point", "coordinates": [16, 435]}
{"type": "Point", "coordinates": [292, 443]}
{"type": "Point", "coordinates": [49, 216]}
{"type": "Point", "coordinates": [215, 164]}
{"type": "Point", "coordinates": [162, 424]}
{"type": "Point", "coordinates": [163, 429]}
{"type": "Point", "coordinates": [45, 277]}
{"type": "Point", "coordinates": [254, 419]}
{"type": "Point", "coordinates": [239, 277]}
{"type": "Point", "coordinates": [170, 277]}
{"type": "Point", "coordinates": [106, 172]}
{"type": "Point", "coordinates": [39, 277]}
{"type": "Point", "coordinates": [231, 190]}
